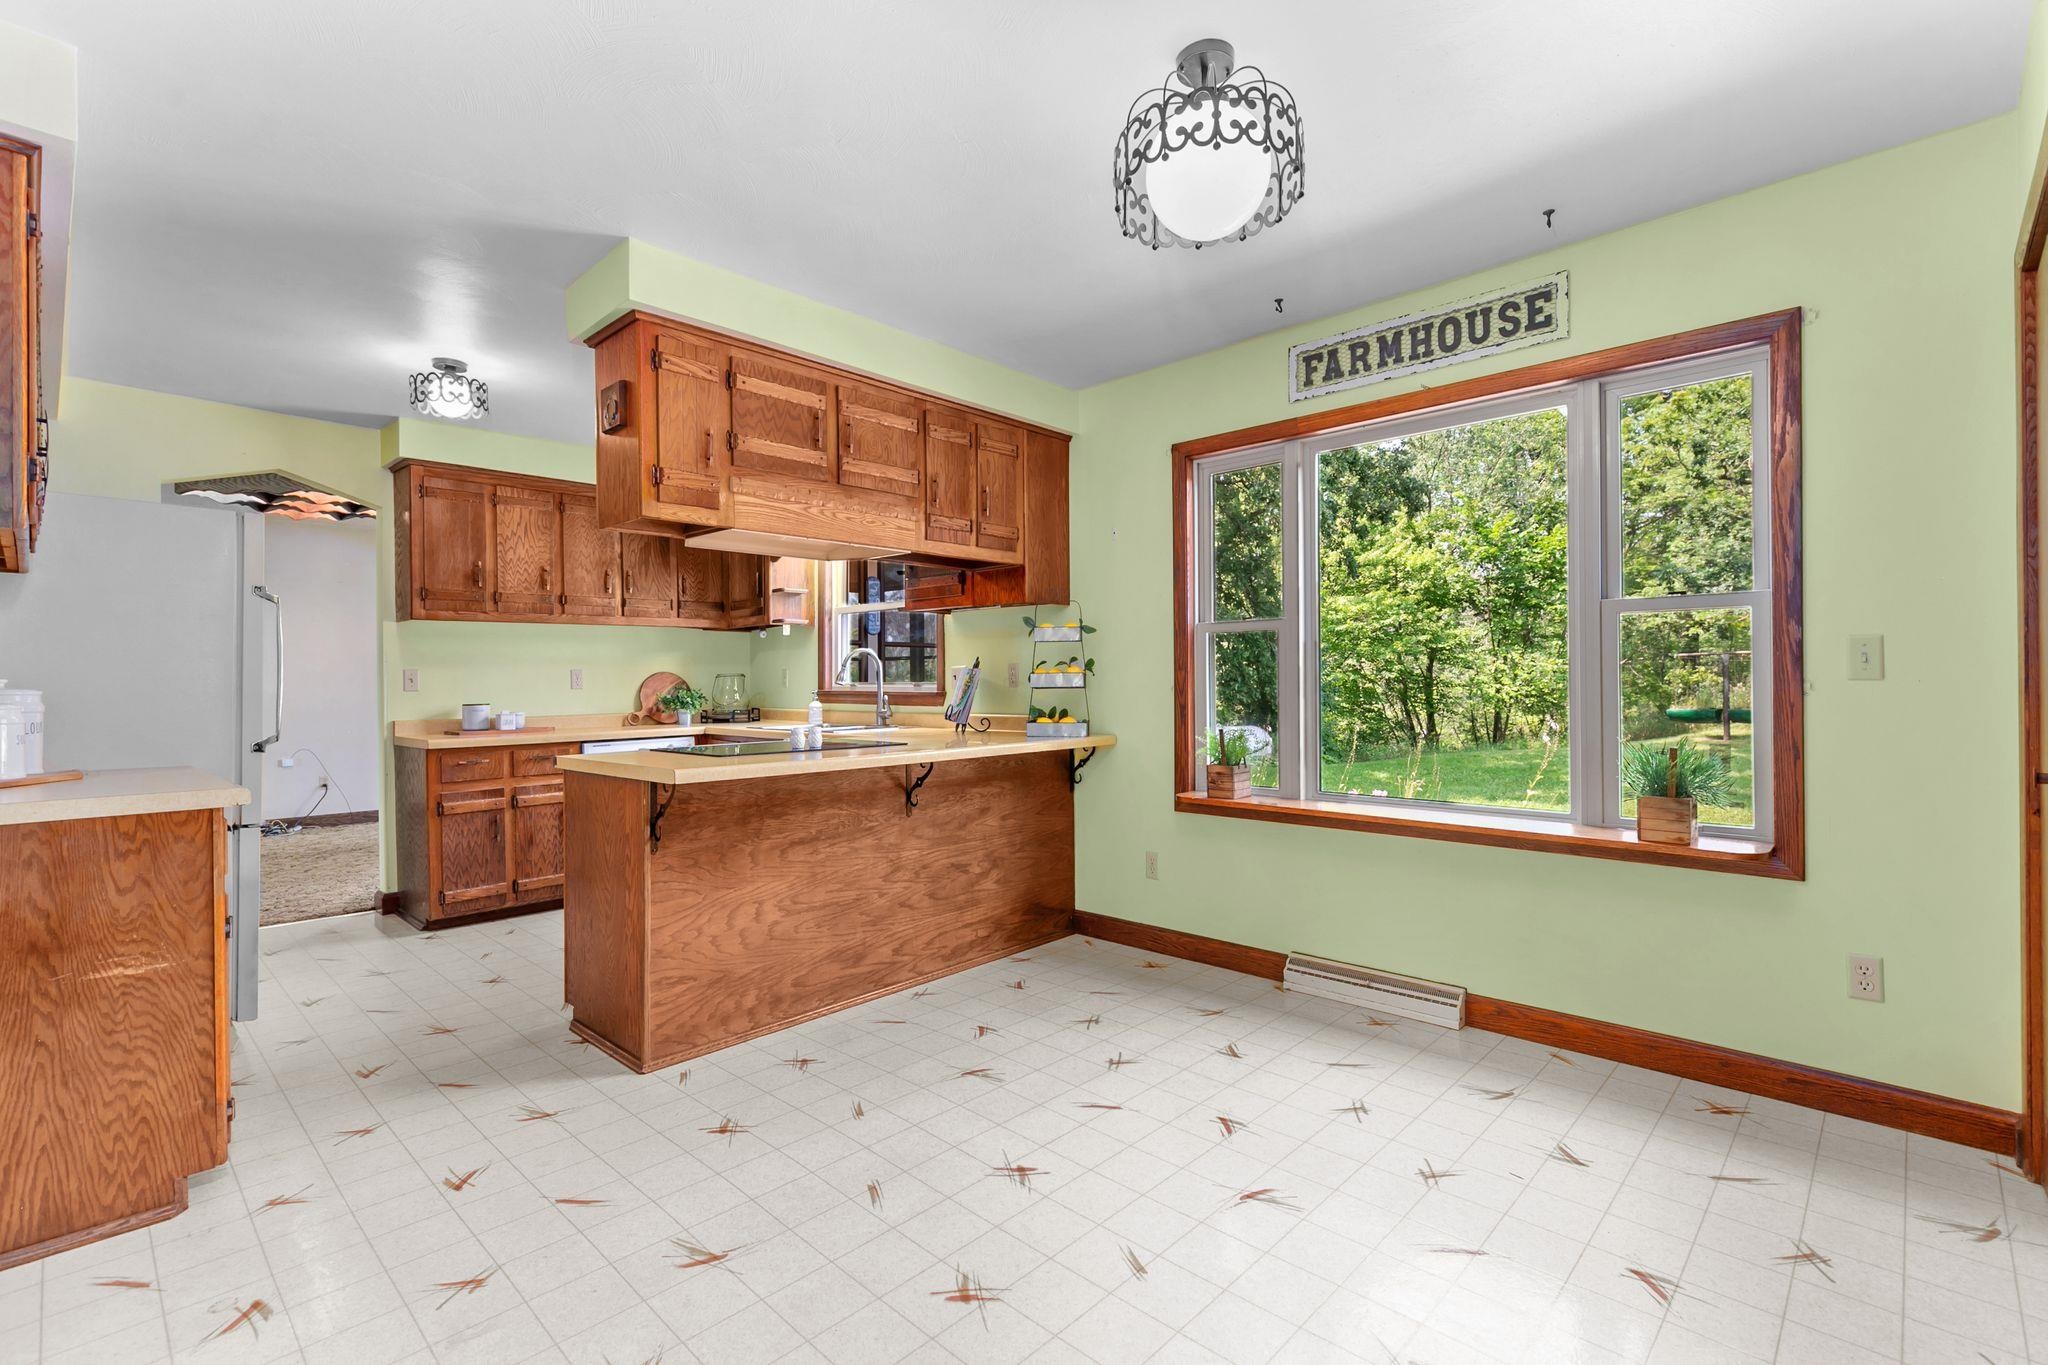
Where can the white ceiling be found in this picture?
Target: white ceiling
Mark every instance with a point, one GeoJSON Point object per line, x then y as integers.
{"type": "Point", "coordinates": [294, 203]}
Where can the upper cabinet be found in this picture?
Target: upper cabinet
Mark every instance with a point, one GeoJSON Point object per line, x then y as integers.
{"type": "Point", "coordinates": [780, 412]}
{"type": "Point", "coordinates": [699, 430]}
{"type": "Point", "coordinates": [527, 550]}
{"type": "Point", "coordinates": [481, 545]}
{"type": "Point", "coordinates": [24, 470]}
{"type": "Point", "coordinates": [999, 486]}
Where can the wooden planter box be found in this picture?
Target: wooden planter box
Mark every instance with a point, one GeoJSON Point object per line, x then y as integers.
{"type": "Point", "coordinates": [1232, 784]}
{"type": "Point", "coordinates": [1667, 820]}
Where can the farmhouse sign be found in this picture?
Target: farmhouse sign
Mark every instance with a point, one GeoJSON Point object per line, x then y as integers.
{"type": "Point", "coordinates": [1502, 320]}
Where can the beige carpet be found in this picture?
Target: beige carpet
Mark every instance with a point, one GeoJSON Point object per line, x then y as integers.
{"type": "Point", "coordinates": [321, 870]}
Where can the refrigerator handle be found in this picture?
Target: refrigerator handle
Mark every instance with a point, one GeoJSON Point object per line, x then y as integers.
{"type": "Point", "coordinates": [263, 745]}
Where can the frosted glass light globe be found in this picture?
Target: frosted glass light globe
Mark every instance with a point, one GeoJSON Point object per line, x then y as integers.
{"type": "Point", "coordinates": [1203, 193]}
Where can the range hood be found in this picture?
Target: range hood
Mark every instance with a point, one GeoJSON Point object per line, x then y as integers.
{"type": "Point", "coordinates": [277, 493]}
{"type": "Point", "coordinates": [788, 547]}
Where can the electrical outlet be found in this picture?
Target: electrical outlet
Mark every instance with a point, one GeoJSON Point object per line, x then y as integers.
{"type": "Point", "coordinates": [286, 761]}
{"type": "Point", "coordinates": [409, 680]}
{"type": "Point", "coordinates": [1866, 977]}
{"type": "Point", "coordinates": [1151, 866]}
{"type": "Point", "coordinates": [575, 680]}
{"type": "Point", "coordinates": [1013, 672]}
{"type": "Point", "coordinates": [1866, 658]}
{"type": "Point", "coordinates": [785, 677]}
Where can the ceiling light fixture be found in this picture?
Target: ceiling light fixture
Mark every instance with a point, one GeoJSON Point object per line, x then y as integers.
{"type": "Point", "coordinates": [448, 391]}
{"type": "Point", "coordinates": [1215, 157]}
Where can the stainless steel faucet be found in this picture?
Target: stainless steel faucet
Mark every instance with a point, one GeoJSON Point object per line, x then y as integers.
{"type": "Point", "coordinates": [882, 717]}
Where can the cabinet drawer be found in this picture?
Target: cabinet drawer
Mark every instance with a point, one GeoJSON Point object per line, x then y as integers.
{"type": "Point", "coordinates": [470, 765]}
{"type": "Point", "coordinates": [538, 760]}
{"type": "Point", "coordinates": [468, 803]}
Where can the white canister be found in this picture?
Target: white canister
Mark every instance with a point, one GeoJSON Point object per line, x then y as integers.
{"type": "Point", "coordinates": [476, 715]}
{"type": "Point", "coordinates": [30, 703]}
{"type": "Point", "coordinates": [13, 743]}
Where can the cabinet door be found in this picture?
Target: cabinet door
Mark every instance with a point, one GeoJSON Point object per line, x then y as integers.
{"type": "Point", "coordinates": [526, 545]}
{"type": "Point", "coordinates": [692, 423]}
{"type": "Point", "coordinates": [18, 315]}
{"type": "Point", "coordinates": [451, 544]}
{"type": "Point", "coordinates": [879, 437]}
{"type": "Point", "coordinates": [999, 479]}
{"type": "Point", "coordinates": [700, 588]}
{"type": "Point", "coordinates": [537, 841]}
{"type": "Point", "coordinates": [590, 562]}
{"type": "Point", "coordinates": [779, 418]}
{"type": "Point", "coordinates": [469, 838]}
{"type": "Point", "coordinates": [927, 587]}
{"type": "Point", "coordinates": [949, 492]}
{"type": "Point", "coordinates": [648, 571]}
{"type": "Point", "coordinates": [746, 591]}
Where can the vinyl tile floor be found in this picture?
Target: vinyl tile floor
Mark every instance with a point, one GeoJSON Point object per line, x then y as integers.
{"type": "Point", "coordinates": [1079, 1154]}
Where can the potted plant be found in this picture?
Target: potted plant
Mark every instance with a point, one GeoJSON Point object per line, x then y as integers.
{"type": "Point", "coordinates": [679, 705]}
{"type": "Point", "coordinates": [1230, 764]}
{"type": "Point", "coordinates": [1669, 784]}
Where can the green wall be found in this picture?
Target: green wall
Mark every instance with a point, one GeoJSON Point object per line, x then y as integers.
{"type": "Point", "coordinates": [1912, 827]}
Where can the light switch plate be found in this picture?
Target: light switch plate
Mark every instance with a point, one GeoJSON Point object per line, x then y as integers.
{"type": "Point", "coordinates": [575, 680]}
{"type": "Point", "coordinates": [409, 680]}
{"type": "Point", "coordinates": [1866, 658]}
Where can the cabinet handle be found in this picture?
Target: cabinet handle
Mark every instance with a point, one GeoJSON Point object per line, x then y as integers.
{"type": "Point", "coordinates": [477, 574]}
{"type": "Point", "coordinates": [984, 502]}
{"type": "Point", "coordinates": [607, 582]}
{"type": "Point", "coordinates": [543, 577]}
{"type": "Point", "coordinates": [935, 490]}
{"type": "Point", "coordinates": [707, 448]}
{"type": "Point", "coordinates": [629, 582]}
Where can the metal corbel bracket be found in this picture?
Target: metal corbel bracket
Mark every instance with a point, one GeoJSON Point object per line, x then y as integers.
{"type": "Point", "coordinates": [1074, 765]}
{"type": "Point", "coordinates": [910, 789]}
{"type": "Point", "coordinates": [654, 819]}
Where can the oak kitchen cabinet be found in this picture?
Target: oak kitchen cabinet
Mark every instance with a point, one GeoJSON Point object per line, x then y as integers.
{"type": "Point", "coordinates": [479, 830]}
{"type": "Point", "coordinates": [483, 545]}
{"type": "Point", "coordinates": [705, 433]}
{"type": "Point", "coordinates": [24, 466]}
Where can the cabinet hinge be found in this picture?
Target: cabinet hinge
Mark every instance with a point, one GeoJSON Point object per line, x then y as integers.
{"type": "Point", "coordinates": [35, 226]}
{"type": "Point", "coordinates": [441, 897]}
{"type": "Point", "coordinates": [654, 359]}
{"type": "Point", "coordinates": [423, 594]}
{"type": "Point", "coordinates": [732, 440]}
{"type": "Point", "coordinates": [728, 378]}
{"type": "Point", "coordinates": [656, 475]}
{"type": "Point", "coordinates": [231, 1109]}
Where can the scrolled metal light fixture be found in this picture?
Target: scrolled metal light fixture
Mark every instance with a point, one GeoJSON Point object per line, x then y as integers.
{"type": "Point", "coordinates": [448, 391]}
{"type": "Point", "coordinates": [1214, 153]}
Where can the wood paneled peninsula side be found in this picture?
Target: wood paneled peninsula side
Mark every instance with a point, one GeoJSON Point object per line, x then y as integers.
{"type": "Point", "coordinates": [709, 900]}
{"type": "Point", "coordinates": [113, 1002]}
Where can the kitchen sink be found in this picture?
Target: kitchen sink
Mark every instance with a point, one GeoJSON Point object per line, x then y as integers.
{"type": "Point", "coordinates": [785, 727]}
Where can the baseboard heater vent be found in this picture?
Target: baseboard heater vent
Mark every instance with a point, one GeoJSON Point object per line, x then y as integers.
{"type": "Point", "coordinates": [1431, 1002]}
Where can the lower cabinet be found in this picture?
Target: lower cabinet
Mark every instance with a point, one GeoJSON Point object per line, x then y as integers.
{"type": "Point", "coordinates": [479, 831]}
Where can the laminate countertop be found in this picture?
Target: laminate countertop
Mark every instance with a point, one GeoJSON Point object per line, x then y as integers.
{"type": "Point", "coordinates": [433, 734]}
{"type": "Point", "coordinates": [118, 791]}
{"type": "Point", "coordinates": [920, 745]}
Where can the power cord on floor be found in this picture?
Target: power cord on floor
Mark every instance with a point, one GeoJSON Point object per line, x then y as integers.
{"type": "Point", "coordinates": [327, 783]}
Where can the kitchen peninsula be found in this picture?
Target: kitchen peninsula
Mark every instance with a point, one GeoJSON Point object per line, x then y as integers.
{"type": "Point", "coordinates": [710, 900]}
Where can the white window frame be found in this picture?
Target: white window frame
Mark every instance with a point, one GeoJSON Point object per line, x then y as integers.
{"type": "Point", "coordinates": [833, 589]}
{"type": "Point", "coordinates": [1595, 602]}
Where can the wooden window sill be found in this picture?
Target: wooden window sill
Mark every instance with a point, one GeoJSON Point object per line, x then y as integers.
{"type": "Point", "coordinates": [1711, 854]}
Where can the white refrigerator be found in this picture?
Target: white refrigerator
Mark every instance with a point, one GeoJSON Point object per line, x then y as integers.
{"type": "Point", "coordinates": [155, 644]}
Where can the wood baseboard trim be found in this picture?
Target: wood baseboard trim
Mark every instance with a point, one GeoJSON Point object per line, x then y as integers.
{"type": "Point", "coordinates": [390, 902]}
{"type": "Point", "coordinates": [1913, 1111]}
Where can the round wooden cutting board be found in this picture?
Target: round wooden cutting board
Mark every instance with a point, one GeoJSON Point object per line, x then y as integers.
{"type": "Point", "coordinates": [654, 685]}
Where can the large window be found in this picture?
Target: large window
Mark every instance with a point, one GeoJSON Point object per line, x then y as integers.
{"type": "Point", "coordinates": [1502, 610]}
{"type": "Point", "coordinates": [865, 611]}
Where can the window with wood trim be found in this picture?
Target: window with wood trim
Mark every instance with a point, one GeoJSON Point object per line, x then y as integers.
{"type": "Point", "coordinates": [864, 610]}
{"type": "Point", "coordinates": [1496, 607]}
